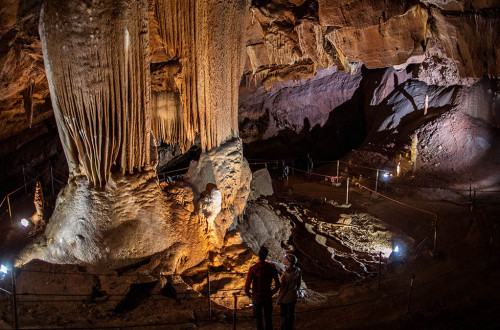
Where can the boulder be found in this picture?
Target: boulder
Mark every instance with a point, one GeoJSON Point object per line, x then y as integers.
{"type": "Point", "coordinates": [261, 184]}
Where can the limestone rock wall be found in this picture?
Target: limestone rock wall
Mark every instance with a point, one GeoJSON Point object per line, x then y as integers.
{"type": "Point", "coordinates": [375, 33]}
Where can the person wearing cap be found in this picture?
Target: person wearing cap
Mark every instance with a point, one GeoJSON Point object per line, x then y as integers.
{"type": "Point", "coordinates": [260, 277]}
{"type": "Point", "coordinates": [290, 285]}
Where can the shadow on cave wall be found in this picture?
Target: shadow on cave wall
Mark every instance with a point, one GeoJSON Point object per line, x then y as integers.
{"type": "Point", "coordinates": [344, 130]}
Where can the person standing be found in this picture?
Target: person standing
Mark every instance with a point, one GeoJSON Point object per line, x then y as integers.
{"type": "Point", "coordinates": [290, 286]}
{"type": "Point", "coordinates": [260, 277]}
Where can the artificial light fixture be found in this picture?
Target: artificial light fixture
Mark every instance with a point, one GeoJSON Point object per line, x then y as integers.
{"type": "Point", "coordinates": [25, 222]}
{"type": "Point", "coordinates": [396, 248]}
{"type": "Point", "coordinates": [3, 269]}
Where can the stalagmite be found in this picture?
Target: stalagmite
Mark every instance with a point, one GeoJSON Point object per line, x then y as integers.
{"type": "Point", "coordinates": [37, 218]}
{"type": "Point", "coordinates": [414, 151]}
{"type": "Point", "coordinates": [97, 61]}
{"type": "Point", "coordinates": [426, 104]}
{"type": "Point", "coordinates": [207, 40]}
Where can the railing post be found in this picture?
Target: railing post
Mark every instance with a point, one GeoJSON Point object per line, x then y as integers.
{"type": "Point", "coordinates": [379, 267]}
{"type": "Point", "coordinates": [13, 278]}
{"type": "Point", "coordinates": [338, 168]}
{"type": "Point", "coordinates": [235, 309]}
{"type": "Point", "coordinates": [347, 193]}
{"type": "Point", "coordinates": [208, 295]}
{"type": "Point", "coordinates": [52, 179]}
{"type": "Point", "coordinates": [24, 179]}
{"type": "Point", "coordinates": [411, 291]}
{"type": "Point", "coordinates": [10, 211]}
{"type": "Point", "coordinates": [376, 182]}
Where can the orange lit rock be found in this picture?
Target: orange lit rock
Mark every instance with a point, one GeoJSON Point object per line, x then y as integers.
{"type": "Point", "coordinates": [385, 44]}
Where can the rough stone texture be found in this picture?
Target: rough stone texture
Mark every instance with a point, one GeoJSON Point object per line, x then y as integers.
{"type": "Point", "coordinates": [470, 40]}
{"type": "Point", "coordinates": [21, 64]}
{"type": "Point", "coordinates": [389, 43]}
{"type": "Point", "coordinates": [349, 244]}
{"type": "Point", "coordinates": [131, 218]}
{"type": "Point", "coordinates": [261, 225]}
{"type": "Point", "coordinates": [462, 5]}
{"type": "Point", "coordinates": [358, 14]}
{"type": "Point", "coordinates": [438, 69]}
{"type": "Point", "coordinates": [289, 104]}
{"type": "Point", "coordinates": [227, 169]}
{"type": "Point", "coordinates": [293, 33]}
{"type": "Point", "coordinates": [261, 184]}
{"type": "Point", "coordinates": [456, 138]}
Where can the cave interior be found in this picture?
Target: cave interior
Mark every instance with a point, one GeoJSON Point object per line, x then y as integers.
{"type": "Point", "coordinates": [149, 148]}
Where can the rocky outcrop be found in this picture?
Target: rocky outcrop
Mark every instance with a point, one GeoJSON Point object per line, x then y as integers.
{"type": "Point", "coordinates": [261, 184]}
{"type": "Point", "coordinates": [399, 40]}
{"type": "Point", "coordinates": [131, 218]}
{"type": "Point", "coordinates": [470, 40]}
{"type": "Point", "coordinates": [261, 225]}
{"type": "Point", "coordinates": [289, 104]}
{"type": "Point", "coordinates": [375, 33]}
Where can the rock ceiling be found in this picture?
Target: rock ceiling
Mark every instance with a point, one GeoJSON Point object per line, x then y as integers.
{"type": "Point", "coordinates": [286, 40]}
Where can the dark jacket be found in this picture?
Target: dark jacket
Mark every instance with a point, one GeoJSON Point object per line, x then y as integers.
{"type": "Point", "coordinates": [290, 285]}
{"type": "Point", "coordinates": [260, 277]}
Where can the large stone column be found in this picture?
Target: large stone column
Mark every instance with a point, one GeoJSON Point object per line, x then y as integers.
{"type": "Point", "coordinates": [96, 57]}
{"type": "Point", "coordinates": [207, 39]}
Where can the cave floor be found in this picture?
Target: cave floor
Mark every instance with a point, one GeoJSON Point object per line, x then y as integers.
{"type": "Point", "coordinates": [457, 288]}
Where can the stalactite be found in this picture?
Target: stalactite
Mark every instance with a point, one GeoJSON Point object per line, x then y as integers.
{"type": "Point", "coordinates": [28, 101]}
{"type": "Point", "coordinates": [207, 38]}
{"type": "Point", "coordinates": [97, 61]}
{"type": "Point", "coordinates": [280, 49]}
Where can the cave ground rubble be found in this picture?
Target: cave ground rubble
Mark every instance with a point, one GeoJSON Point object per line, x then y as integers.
{"type": "Point", "coordinates": [456, 289]}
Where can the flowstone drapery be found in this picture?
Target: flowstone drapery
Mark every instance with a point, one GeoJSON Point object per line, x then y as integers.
{"type": "Point", "coordinates": [97, 61]}
{"type": "Point", "coordinates": [113, 212]}
{"type": "Point", "coordinates": [206, 37]}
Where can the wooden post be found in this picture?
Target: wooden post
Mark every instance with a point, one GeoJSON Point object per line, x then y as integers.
{"type": "Point", "coordinates": [293, 167]}
{"type": "Point", "coordinates": [24, 179]}
{"type": "Point", "coordinates": [376, 182]}
{"type": "Point", "coordinates": [208, 295]}
{"type": "Point", "coordinates": [235, 309]}
{"type": "Point", "coordinates": [13, 278]}
{"type": "Point", "coordinates": [379, 267]}
{"type": "Point", "coordinates": [52, 179]}
{"type": "Point", "coordinates": [411, 291]}
{"type": "Point", "coordinates": [338, 168]}
{"type": "Point", "coordinates": [10, 211]}
{"type": "Point", "coordinates": [347, 193]}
